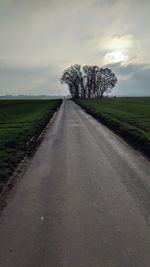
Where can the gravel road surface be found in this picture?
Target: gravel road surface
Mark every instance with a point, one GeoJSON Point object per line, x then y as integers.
{"type": "Point", "coordinates": [84, 200]}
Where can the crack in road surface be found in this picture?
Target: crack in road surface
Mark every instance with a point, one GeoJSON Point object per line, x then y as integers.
{"type": "Point", "coordinates": [83, 201]}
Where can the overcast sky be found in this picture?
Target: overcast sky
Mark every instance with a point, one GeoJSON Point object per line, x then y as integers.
{"type": "Point", "coordinates": [40, 38]}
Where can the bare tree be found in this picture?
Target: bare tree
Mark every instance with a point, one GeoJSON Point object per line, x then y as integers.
{"type": "Point", "coordinates": [70, 77]}
{"type": "Point", "coordinates": [105, 81]}
{"type": "Point", "coordinates": [90, 73]}
{"type": "Point", "coordinates": [89, 81]}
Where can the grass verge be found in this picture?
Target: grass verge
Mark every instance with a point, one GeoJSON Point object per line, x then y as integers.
{"type": "Point", "coordinates": [21, 123]}
{"type": "Point", "coordinates": [128, 117]}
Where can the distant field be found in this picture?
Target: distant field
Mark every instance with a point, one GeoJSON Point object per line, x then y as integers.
{"type": "Point", "coordinates": [129, 117]}
{"type": "Point", "coordinates": [19, 121]}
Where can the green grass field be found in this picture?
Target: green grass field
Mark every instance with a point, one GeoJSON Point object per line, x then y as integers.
{"type": "Point", "coordinates": [128, 116]}
{"type": "Point", "coordinates": [20, 120]}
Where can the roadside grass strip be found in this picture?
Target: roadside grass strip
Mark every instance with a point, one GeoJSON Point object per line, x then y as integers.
{"type": "Point", "coordinates": [128, 117]}
{"type": "Point", "coordinates": [20, 121]}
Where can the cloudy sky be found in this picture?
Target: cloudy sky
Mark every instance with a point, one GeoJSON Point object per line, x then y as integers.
{"type": "Point", "coordinates": [40, 38]}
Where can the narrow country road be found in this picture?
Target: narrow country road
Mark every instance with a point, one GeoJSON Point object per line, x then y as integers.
{"type": "Point", "coordinates": [84, 201]}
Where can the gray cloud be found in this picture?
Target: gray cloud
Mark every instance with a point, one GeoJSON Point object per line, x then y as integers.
{"type": "Point", "coordinates": [133, 79]}
{"type": "Point", "coordinates": [40, 80]}
{"type": "Point", "coordinates": [39, 38]}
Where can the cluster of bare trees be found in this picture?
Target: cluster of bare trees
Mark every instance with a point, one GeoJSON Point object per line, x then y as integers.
{"type": "Point", "coordinates": [88, 81]}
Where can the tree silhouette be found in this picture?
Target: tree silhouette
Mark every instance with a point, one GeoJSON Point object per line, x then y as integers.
{"type": "Point", "coordinates": [88, 81]}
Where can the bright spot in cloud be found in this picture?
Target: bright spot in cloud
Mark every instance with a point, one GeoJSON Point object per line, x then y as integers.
{"type": "Point", "coordinates": [118, 42]}
{"type": "Point", "coordinates": [115, 56]}
{"type": "Point", "coordinates": [118, 48]}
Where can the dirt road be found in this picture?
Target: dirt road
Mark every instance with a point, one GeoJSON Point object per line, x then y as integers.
{"type": "Point", "coordinates": [84, 201]}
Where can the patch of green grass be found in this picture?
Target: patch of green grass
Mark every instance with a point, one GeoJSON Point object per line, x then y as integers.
{"type": "Point", "coordinates": [19, 121]}
{"type": "Point", "coordinates": [127, 116]}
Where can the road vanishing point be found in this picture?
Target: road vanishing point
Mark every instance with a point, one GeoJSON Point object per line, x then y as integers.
{"type": "Point", "coordinates": [84, 200]}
